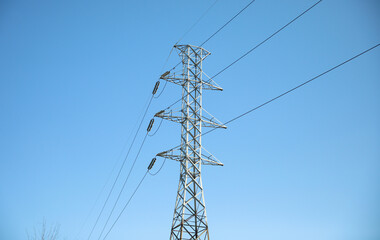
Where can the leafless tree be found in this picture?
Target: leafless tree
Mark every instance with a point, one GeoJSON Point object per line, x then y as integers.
{"type": "Point", "coordinates": [45, 233]}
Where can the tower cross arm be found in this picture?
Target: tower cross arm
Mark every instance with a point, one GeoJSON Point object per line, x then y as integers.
{"type": "Point", "coordinates": [175, 154]}
{"type": "Point", "coordinates": [180, 80]}
{"type": "Point", "coordinates": [177, 116]}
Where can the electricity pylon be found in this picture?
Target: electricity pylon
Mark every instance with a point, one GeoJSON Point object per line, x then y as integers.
{"type": "Point", "coordinates": [189, 220]}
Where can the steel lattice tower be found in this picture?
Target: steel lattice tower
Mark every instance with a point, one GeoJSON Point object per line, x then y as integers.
{"type": "Point", "coordinates": [189, 220]}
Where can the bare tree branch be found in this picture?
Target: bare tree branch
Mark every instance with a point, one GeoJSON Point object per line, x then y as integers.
{"type": "Point", "coordinates": [51, 233]}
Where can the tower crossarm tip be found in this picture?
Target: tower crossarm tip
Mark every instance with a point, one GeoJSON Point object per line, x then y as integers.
{"type": "Point", "coordinates": [173, 154]}
{"type": "Point", "coordinates": [209, 120]}
{"type": "Point", "coordinates": [173, 78]}
{"type": "Point", "coordinates": [211, 123]}
{"type": "Point", "coordinates": [209, 159]}
{"type": "Point", "coordinates": [177, 116]}
{"type": "Point", "coordinates": [210, 84]}
{"type": "Point", "coordinates": [177, 155]}
{"type": "Point", "coordinates": [179, 79]}
{"type": "Point", "coordinates": [168, 114]}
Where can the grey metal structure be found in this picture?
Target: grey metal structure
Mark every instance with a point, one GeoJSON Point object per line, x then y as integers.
{"type": "Point", "coordinates": [189, 220]}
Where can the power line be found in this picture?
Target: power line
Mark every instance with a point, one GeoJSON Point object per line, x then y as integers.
{"type": "Point", "coordinates": [254, 48]}
{"type": "Point", "coordinates": [258, 45]}
{"type": "Point", "coordinates": [125, 206]}
{"type": "Point", "coordinates": [212, 35]}
{"type": "Point", "coordinates": [98, 197]}
{"type": "Point", "coordinates": [121, 168]}
{"type": "Point", "coordinates": [109, 177]}
{"type": "Point", "coordinates": [242, 10]}
{"type": "Point", "coordinates": [295, 88]}
{"type": "Point", "coordinates": [125, 182]}
{"type": "Point", "coordinates": [289, 91]}
{"type": "Point", "coordinates": [199, 19]}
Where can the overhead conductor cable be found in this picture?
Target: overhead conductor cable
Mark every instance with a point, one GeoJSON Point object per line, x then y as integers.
{"type": "Point", "coordinates": [257, 46]}
{"type": "Point", "coordinates": [129, 174]}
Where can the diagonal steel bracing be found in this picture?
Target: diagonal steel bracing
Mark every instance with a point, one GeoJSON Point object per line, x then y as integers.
{"type": "Point", "coordinates": [189, 219]}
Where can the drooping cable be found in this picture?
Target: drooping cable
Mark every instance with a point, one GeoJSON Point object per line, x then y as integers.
{"type": "Point", "coordinates": [162, 69]}
{"type": "Point", "coordinates": [242, 10]}
{"type": "Point", "coordinates": [96, 201]}
{"type": "Point", "coordinates": [171, 105]}
{"type": "Point", "coordinates": [124, 184]}
{"type": "Point", "coordinates": [121, 167]}
{"type": "Point", "coordinates": [212, 35]}
{"type": "Point", "coordinates": [109, 176]}
{"type": "Point", "coordinates": [257, 46]}
{"type": "Point", "coordinates": [158, 128]}
{"type": "Point", "coordinates": [196, 22]}
{"type": "Point", "coordinates": [150, 166]}
{"type": "Point", "coordinates": [162, 165]}
{"type": "Point", "coordinates": [261, 43]}
{"type": "Point", "coordinates": [159, 95]}
{"type": "Point", "coordinates": [290, 90]}
{"type": "Point", "coordinates": [93, 207]}
{"type": "Point", "coordinates": [295, 88]}
{"type": "Point", "coordinates": [126, 205]}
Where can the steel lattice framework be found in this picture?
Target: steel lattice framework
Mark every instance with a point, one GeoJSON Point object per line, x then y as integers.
{"type": "Point", "coordinates": [189, 220]}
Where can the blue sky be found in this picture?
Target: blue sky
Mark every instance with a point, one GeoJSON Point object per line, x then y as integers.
{"type": "Point", "coordinates": [75, 76]}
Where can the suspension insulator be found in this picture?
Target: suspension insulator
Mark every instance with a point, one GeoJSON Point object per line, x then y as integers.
{"type": "Point", "coordinates": [164, 75]}
{"type": "Point", "coordinates": [151, 163]}
{"type": "Point", "coordinates": [156, 87]}
{"type": "Point", "coordinates": [160, 112]}
{"type": "Point", "coordinates": [150, 125]}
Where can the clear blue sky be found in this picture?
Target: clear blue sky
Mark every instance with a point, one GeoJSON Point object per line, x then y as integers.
{"type": "Point", "coordinates": [75, 76]}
